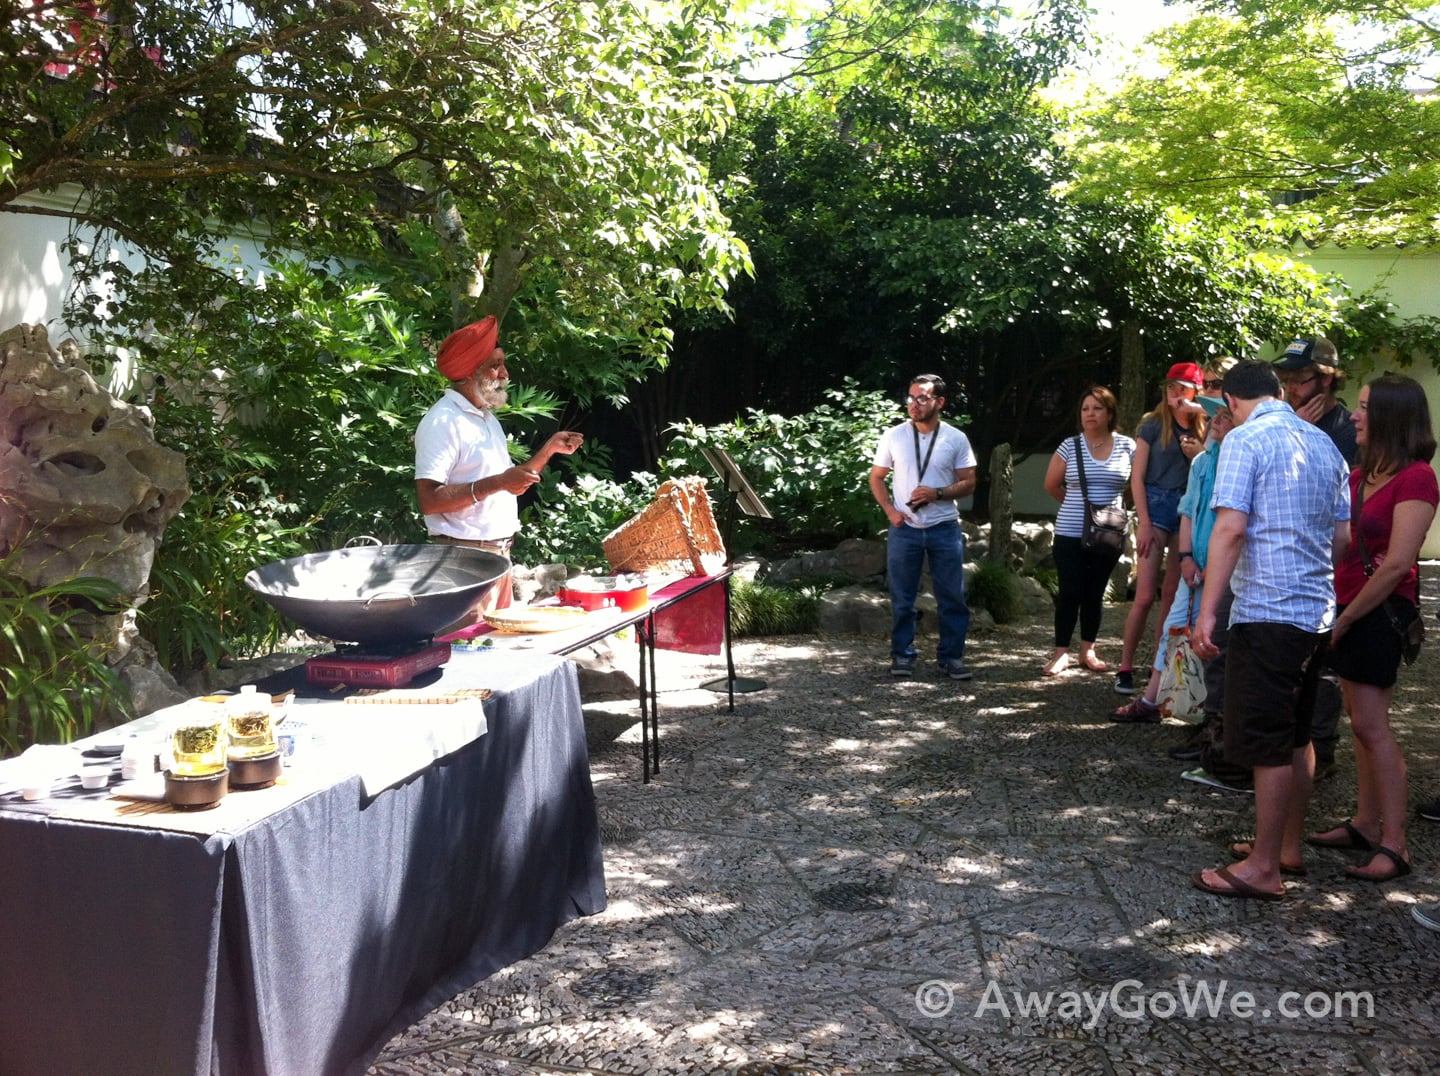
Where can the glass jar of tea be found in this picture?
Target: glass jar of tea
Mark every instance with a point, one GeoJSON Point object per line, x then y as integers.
{"type": "Point", "coordinates": [251, 722]}
{"type": "Point", "coordinates": [198, 741]}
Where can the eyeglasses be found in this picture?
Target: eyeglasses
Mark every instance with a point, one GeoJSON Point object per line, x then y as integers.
{"type": "Point", "coordinates": [1214, 385]}
{"type": "Point", "coordinates": [919, 400]}
{"type": "Point", "coordinates": [1299, 382]}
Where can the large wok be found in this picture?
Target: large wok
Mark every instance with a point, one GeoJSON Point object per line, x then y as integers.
{"type": "Point", "coordinates": [379, 594]}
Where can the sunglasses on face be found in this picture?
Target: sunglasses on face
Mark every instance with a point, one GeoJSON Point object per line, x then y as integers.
{"type": "Point", "coordinates": [919, 400]}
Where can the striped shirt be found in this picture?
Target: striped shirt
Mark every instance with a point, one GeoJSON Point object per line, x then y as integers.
{"type": "Point", "coordinates": [1106, 478]}
{"type": "Point", "coordinates": [1290, 480]}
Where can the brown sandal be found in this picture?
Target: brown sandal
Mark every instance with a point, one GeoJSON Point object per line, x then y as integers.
{"type": "Point", "coordinates": [1242, 849]}
{"type": "Point", "coordinates": [1352, 838]}
{"type": "Point", "coordinates": [1235, 887]}
{"type": "Point", "coordinates": [1399, 868]}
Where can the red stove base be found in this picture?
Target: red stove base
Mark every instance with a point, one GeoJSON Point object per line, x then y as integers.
{"type": "Point", "coordinates": [376, 670]}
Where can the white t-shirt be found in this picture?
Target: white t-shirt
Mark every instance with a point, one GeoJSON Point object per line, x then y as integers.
{"type": "Point", "coordinates": [458, 442]}
{"type": "Point", "coordinates": [897, 451]}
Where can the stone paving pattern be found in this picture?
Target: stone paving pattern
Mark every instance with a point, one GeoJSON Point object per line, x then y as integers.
{"type": "Point", "coordinates": [837, 876]}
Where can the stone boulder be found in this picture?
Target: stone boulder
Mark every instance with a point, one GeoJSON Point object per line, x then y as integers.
{"type": "Point", "coordinates": [858, 610]}
{"type": "Point", "coordinates": [85, 490]}
{"type": "Point", "coordinates": [81, 474]}
{"type": "Point", "coordinates": [855, 558]}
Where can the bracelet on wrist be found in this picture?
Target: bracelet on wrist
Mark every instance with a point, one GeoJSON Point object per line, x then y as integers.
{"type": "Point", "coordinates": [1187, 555]}
{"type": "Point", "coordinates": [473, 498]}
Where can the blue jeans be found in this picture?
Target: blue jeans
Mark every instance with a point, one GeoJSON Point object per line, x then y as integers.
{"type": "Point", "coordinates": [905, 551]}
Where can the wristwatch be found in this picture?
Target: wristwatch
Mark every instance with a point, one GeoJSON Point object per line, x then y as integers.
{"type": "Point", "coordinates": [1187, 555]}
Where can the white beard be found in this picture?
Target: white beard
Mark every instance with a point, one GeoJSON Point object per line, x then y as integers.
{"type": "Point", "coordinates": [492, 393]}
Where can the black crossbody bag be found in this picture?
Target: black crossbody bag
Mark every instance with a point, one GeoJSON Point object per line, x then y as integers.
{"type": "Point", "coordinates": [1105, 525]}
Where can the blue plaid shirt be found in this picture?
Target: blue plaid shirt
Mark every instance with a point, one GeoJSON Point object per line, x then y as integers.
{"type": "Point", "coordinates": [1288, 477]}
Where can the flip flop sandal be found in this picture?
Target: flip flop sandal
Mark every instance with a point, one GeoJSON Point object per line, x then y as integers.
{"type": "Point", "coordinates": [1241, 850]}
{"type": "Point", "coordinates": [1235, 887]}
{"type": "Point", "coordinates": [1401, 868]}
{"type": "Point", "coordinates": [1353, 839]}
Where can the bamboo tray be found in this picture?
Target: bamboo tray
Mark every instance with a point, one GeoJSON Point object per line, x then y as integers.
{"type": "Point", "coordinates": [533, 620]}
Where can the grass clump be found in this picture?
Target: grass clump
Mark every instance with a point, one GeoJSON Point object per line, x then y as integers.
{"type": "Point", "coordinates": [758, 609]}
{"type": "Point", "coordinates": [995, 588]}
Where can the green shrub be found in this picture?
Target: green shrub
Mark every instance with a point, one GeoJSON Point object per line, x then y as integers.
{"type": "Point", "coordinates": [569, 519]}
{"type": "Point", "coordinates": [757, 609]}
{"type": "Point", "coordinates": [53, 683]}
{"type": "Point", "coordinates": [995, 588]}
{"type": "Point", "coordinates": [1048, 577]}
{"type": "Point", "coordinates": [199, 608]}
{"type": "Point", "coordinates": [811, 470]}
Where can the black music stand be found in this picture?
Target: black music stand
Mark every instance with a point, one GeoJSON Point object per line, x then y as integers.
{"type": "Point", "coordinates": [738, 492]}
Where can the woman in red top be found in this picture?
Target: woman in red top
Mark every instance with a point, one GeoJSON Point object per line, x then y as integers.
{"type": "Point", "coordinates": [1395, 491]}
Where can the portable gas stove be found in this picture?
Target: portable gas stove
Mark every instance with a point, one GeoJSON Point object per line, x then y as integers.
{"type": "Point", "coordinates": [377, 666]}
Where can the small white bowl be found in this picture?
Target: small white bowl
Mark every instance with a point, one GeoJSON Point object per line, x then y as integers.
{"type": "Point", "coordinates": [94, 776]}
{"type": "Point", "coordinates": [36, 791]}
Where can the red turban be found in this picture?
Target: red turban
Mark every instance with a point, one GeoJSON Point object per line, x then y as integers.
{"type": "Point", "coordinates": [465, 349]}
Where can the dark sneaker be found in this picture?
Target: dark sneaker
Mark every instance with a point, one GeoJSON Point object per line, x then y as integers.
{"type": "Point", "coordinates": [1136, 712]}
{"type": "Point", "coordinates": [1429, 811]}
{"type": "Point", "coordinates": [956, 670]}
{"type": "Point", "coordinates": [1185, 752]}
{"type": "Point", "coordinates": [1125, 682]}
{"type": "Point", "coordinates": [902, 669]}
{"type": "Point", "coordinates": [1205, 777]}
{"type": "Point", "coordinates": [1427, 915]}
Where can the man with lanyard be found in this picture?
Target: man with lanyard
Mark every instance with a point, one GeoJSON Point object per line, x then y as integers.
{"type": "Point", "coordinates": [933, 466]}
{"type": "Point", "coordinates": [1282, 506]}
{"type": "Point", "coordinates": [466, 485]}
{"type": "Point", "coordinates": [1310, 375]}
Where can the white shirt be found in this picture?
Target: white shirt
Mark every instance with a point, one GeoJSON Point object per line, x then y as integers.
{"type": "Point", "coordinates": [897, 453]}
{"type": "Point", "coordinates": [457, 442]}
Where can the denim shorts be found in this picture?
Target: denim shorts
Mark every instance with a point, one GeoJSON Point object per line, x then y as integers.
{"type": "Point", "coordinates": [1164, 505]}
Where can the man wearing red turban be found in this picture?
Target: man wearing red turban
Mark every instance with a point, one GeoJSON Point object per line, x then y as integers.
{"type": "Point", "coordinates": [464, 479]}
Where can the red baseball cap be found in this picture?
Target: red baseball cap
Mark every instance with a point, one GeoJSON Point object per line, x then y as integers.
{"type": "Point", "coordinates": [1187, 373]}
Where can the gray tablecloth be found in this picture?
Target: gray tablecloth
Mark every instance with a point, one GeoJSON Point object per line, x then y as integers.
{"type": "Point", "coordinates": [301, 944]}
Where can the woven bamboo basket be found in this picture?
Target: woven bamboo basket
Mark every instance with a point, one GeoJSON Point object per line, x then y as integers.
{"type": "Point", "coordinates": [676, 532]}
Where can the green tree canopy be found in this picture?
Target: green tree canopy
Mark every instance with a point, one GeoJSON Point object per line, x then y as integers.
{"type": "Point", "coordinates": [1316, 116]}
{"type": "Point", "coordinates": [912, 215]}
{"type": "Point", "coordinates": [483, 146]}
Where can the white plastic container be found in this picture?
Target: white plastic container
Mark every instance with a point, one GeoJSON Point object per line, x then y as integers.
{"type": "Point", "coordinates": [36, 788]}
{"type": "Point", "coordinates": [136, 758]}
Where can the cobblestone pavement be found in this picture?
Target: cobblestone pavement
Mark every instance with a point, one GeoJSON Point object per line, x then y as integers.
{"type": "Point", "coordinates": [854, 875]}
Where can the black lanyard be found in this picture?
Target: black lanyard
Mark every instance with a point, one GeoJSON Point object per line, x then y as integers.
{"type": "Point", "coordinates": [922, 464]}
